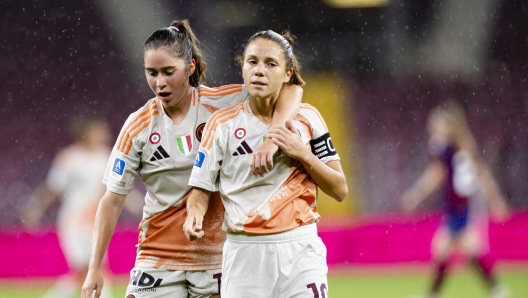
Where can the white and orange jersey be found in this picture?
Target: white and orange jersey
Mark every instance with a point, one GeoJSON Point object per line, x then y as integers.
{"type": "Point", "coordinates": [162, 154]}
{"type": "Point", "coordinates": [283, 199]}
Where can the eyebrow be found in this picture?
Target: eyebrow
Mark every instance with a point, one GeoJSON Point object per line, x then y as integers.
{"type": "Point", "coordinates": [265, 58]}
{"type": "Point", "coordinates": [163, 68]}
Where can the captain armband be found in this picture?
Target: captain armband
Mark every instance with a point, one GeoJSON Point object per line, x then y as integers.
{"type": "Point", "coordinates": [322, 146]}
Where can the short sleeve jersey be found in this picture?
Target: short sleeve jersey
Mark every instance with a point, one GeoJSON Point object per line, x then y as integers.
{"type": "Point", "coordinates": [285, 198]}
{"type": "Point", "coordinates": [162, 154]}
{"type": "Point", "coordinates": [76, 174]}
{"type": "Point", "coordinates": [460, 184]}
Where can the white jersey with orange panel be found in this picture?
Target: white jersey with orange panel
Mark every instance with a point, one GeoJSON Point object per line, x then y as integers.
{"type": "Point", "coordinates": [283, 199]}
{"type": "Point", "coordinates": [162, 154]}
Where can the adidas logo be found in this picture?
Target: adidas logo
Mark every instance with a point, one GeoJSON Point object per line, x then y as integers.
{"type": "Point", "coordinates": [160, 154]}
{"type": "Point", "coordinates": [243, 149]}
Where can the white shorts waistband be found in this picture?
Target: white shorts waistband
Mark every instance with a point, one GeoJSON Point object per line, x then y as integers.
{"type": "Point", "coordinates": [291, 235]}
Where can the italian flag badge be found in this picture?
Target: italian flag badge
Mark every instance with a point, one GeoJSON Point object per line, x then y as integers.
{"type": "Point", "coordinates": [184, 144]}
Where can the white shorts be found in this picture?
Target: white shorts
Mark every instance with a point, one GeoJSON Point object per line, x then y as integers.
{"type": "Point", "coordinates": [76, 244]}
{"type": "Point", "coordinates": [151, 282]}
{"type": "Point", "coordinates": [289, 264]}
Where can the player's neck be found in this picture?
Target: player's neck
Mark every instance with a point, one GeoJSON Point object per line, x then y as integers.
{"type": "Point", "coordinates": [178, 110]}
{"type": "Point", "coordinates": [263, 108]}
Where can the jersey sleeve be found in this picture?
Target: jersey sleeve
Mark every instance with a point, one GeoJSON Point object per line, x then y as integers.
{"type": "Point", "coordinates": [208, 160]}
{"type": "Point", "coordinates": [224, 96]}
{"type": "Point", "coordinates": [123, 165]}
{"type": "Point", "coordinates": [57, 177]}
{"type": "Point", "coordinates": [321, 142]}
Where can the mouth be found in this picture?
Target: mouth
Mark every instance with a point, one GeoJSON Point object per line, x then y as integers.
{"type": "Point", "coordinates": [258, 83]}
{"type": "Point", "coordinates": [164, 95]}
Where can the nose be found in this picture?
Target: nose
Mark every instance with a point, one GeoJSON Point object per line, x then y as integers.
{"type": "Point", "coordinates": [259, 70]}
{"type": "Point", "coordinates": [161, 81]}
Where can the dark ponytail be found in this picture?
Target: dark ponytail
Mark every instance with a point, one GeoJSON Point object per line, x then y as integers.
{"type": "Point", "coordinates": [181, 42]}
{"type": "Point", "coordinates": [286, 41]}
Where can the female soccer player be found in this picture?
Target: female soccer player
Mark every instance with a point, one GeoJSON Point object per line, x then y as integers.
{"type": "Point", "coordinates": [272, 247]}
{"type": "Point", "coordinates": [159, 143]}
{"type": "Point", "coordinates": [75, 175]}
{"type": "Point", "coordinates": [457, 167]}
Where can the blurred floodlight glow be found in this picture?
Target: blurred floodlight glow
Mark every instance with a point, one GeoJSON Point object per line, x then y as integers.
{"type": "Point", "coordinates": [357, 3]}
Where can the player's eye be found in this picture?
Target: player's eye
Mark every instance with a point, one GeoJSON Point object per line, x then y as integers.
{"type": "Point", "coordinates": [252, 62]}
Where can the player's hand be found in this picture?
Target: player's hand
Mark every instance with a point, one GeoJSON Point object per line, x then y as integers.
{"type": "Point", "coordinates": [500, 212]}
{"type": "Point", "coordinates": [192, 227]}
{"type": "Point", "coordinates": [262, 158]}
{"type": "Point", "coordinates": [94, 282]}
{"type": "Point", "coordinates": [288, 140]}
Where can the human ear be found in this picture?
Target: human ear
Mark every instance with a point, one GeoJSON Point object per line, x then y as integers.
{"type": "Point", "coordinates": [191, 66]}
{"type": "Point", "coordinates": [289, 73]}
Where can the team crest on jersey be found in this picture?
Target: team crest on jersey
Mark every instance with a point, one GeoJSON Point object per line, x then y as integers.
{"type": "Point", "coordinates": [199, 132]}
{"type": "Point", "coordinates": [184, 144]}
{"type": "Point", "coordinates": [240, 133]}
{"type": "Point", "coordinates": [154, 138]}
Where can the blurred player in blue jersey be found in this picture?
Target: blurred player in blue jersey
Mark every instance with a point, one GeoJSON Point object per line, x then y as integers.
{"type": "Point", "coordinates": [470, 190]}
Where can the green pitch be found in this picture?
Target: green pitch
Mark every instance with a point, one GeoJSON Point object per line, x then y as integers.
{"type": "Point", "coordinates": [464, 284]}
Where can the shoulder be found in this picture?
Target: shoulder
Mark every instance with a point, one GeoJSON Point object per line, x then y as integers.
{"type": "Point", "coordinates": [219, 118]}
{"type": "Point", "coordinates": [149, 109]}
{"type": "Point", "coordinates": [204, 91]}
{"type": "Point", "coordinates": [67, 154]}
{"type": "Point", "coordinates": [309, 115]}
{"type": "Point", "coordinates": [136, 123]}
{"type": "Point", "coordinates": [226, 114]}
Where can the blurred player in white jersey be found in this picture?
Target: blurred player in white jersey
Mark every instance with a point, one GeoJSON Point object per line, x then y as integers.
{"type": "Point", "coordinates": [75, 175]}
{"type": "Point", "coordinates": [272, 247]}
{"type": "Point", "coordinates": [469, 189]}
{"type": "Point", "coordinates": [159, 142]}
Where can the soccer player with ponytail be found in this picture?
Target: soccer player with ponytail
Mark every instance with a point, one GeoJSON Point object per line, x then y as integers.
{"type": "Point", "coordinates": [272, 247]}
{"type": "Point", "coordinates": [159, 143]}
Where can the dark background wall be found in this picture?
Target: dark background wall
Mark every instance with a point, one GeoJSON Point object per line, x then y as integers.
{"type": "Point", "coordinates": [62, 60]}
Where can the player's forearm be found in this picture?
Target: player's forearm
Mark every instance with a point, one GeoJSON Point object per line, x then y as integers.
{"type": "Point", "coordinates": [198, 201]}
{"type": "Point", "coordinates": [42, 198]}
{"type": "Point", "coordinates": [488, 183]}
{"type": "Point", "coordinates": [329, 180]}
{"type": "Point", "coordinates": [288, 103]}
{"type": "Point", "coordinates": [106, 217]}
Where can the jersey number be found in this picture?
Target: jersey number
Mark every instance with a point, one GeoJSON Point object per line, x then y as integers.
{"type": "Point", "coordinates": [218, 277]}
{"type": "Point", "coordinates": [323, 290]}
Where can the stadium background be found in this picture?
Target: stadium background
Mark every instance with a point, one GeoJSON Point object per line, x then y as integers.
{"type": "Point", "coordinates": [374, 69]}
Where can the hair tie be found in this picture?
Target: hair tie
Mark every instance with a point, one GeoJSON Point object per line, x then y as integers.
{"type": "Point", "coordinates": [178, 30]}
